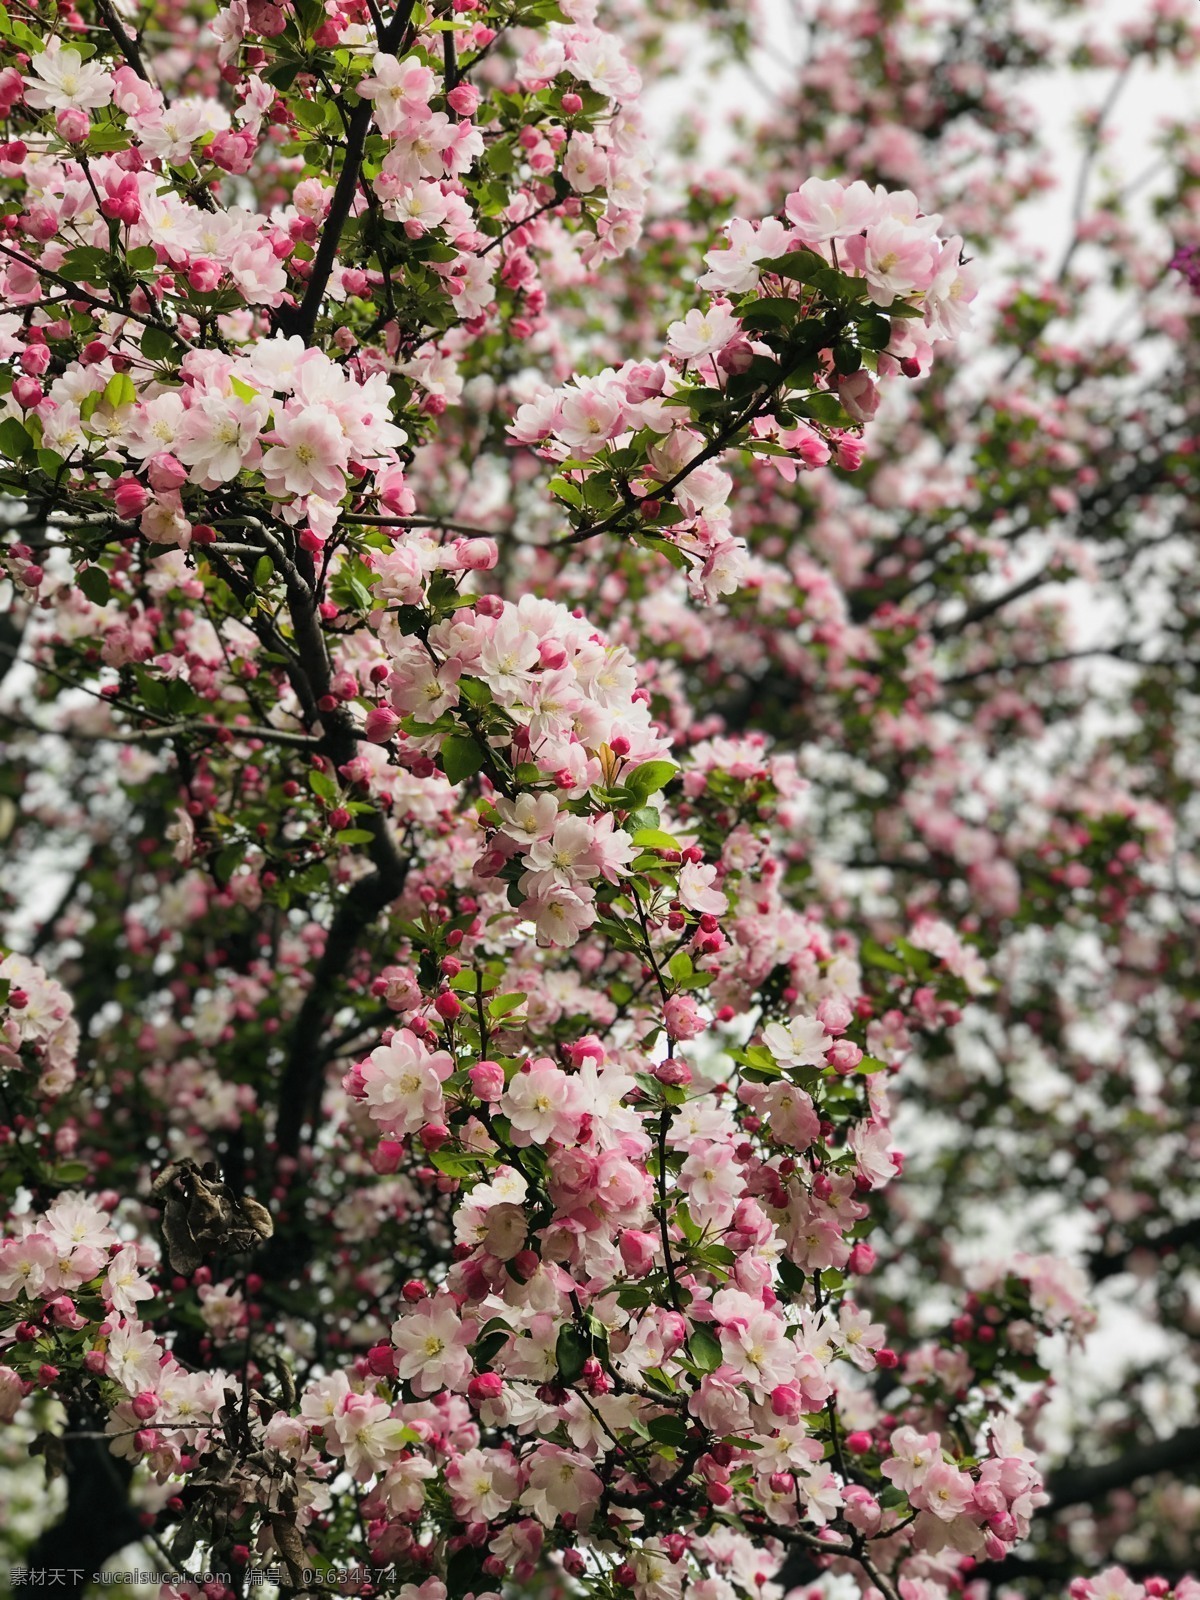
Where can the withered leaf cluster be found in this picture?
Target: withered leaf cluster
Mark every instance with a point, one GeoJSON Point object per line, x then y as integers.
{"type": "Point", "coordinates": [202, 1216]}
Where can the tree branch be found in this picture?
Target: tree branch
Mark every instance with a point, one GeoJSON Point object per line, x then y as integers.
{"type": "Point", "coordinates": [1076, 1486]}
{"type": "Point", "coordinates": [1107, 1263]}
{"type": "Point", "coordinates": [303, 320]}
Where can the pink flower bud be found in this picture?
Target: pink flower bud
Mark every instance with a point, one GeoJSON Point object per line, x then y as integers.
{"type": "Point", "coordinates": [12, 1391]}
{"type": "Point", "coordinates": [12, 89]}
{"type": "Point", "coordinates": [232, 150]}
{"type": "Point", "coordinates": [130, 498]}
{"type": "Point", "coordinates": [637, 1251]}
{"type": "Point", "coordinates": [736, 355]}
{"type": "Point", "coordinates": [381, 1359]}
{"type": "Point", "coordinates": [165, 472]}
{"type": "Point", "coordinates": [485, 1386]}
{"type": "Point", "coordinates": [862, 1258]}
{"type": "Point", "coordinates": [464, 98]}
{"type": "Point", "coordinates": [843, 1056]}
{"type": "Point", "coordinates": [571, 103]}
{"type": "Point", "coordinates": [835, 1013]}
{"type": "Point", "coordinates": [63, 1313]}
{"type": "Point", "coordinates": [674, 1072]}
{"type": "Point", "coordinates": [387, 1156]}
{"type": "Point", "coordinates": [72, 124]}
{"type": "Point", "coordinates": [683, 1018]}
{"type": "Point", "coordinates": [35, 358]}
{"type": "Point", "coordinates": [786, 1402]}
{"type": "Point", "coordinates": [145, 1404]}
{"type": "Point", "coordinates": [859, 395]}
{"type": "Point", "coordinates": [487, 1080]}
{"type": "Point", "coordinates": [448, 1006]}
{"type": "Point", "coordinates": [476, 555]}
{"type": "Point", "coordinates": [28, 392]}
{"type": "Point", "coordinates": [204, 275]}
{"type": "Point", "coordinates": [525, 1263]}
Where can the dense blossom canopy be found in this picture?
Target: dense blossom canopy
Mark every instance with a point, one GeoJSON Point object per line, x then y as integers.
{"type": "Point", "coordinates": [565, 712]}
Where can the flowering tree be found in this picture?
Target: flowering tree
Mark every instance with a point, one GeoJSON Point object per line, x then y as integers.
{"type": "Point", "coordinates": [529, 735]}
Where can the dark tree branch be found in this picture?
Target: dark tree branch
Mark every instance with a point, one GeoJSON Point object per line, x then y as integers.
{"type": "Point", "coordinates": [303, 319]}
{"type": "Point", "coordinates": [988, 608]}
{"type": "Point", "coordinates": [127, 46]}
{"type": "Point", "coordinates": [300, 1085]}
{"type": "Point", "coordinates": [1077, 1486]}
{"type": "Point", "coordinates": [1055, 1571]}
{"type": "Point", "coordinates": [1107, 1263]}
{"type": "Point", "coordinates": [98, 1521]}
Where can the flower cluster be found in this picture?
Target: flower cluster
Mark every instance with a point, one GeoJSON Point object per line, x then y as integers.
{"type": "Point", "coordinates": [803, 310]}
{"type": "Point", "coordinates": [517, 963]}
{"type": "Point", "coordinates": [37, 1025]}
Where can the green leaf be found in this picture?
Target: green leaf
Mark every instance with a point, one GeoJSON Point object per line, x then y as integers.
{"type": "Point", "coordinates": [504, 1003]}
{"type": "Point", "coordinates": [655, 839]}
{"type": "Point", "coordinates": [651, 776]}
{"type": "Point", "coordinates": [462, 757]}
{"type": "Point", "coordinates": [874, 955]}
{"type": "Point", "coordinates": [670, 1430]}
{"type": "Point", "coordinates": [158, 345]}
{"type": "Point", "coordinates": [119, 390]}
{"type": "Point", "coordinates": [84, 263]}
{"type": "Point", "coordinates": [143, 259]}
{"type": "Point", "coordinates": [461, 1163]}
{"type": "Point", "coordinates": [475, 691]}
{"type": "Point", "coordinates": [822, 408]}
{"type": "Point", "coordinates": [322, 785]}
{"type": "Point", "coordinates": [227, 862]}
{"type": "Point", "coordinates": [874, 333]}
{"type": "Point", "coordinates": [790, 1276]}
{"type": "Point", "coordinates": [487, 1348]}
{"type": "Point", "coordinates": [570, 1352]}
{"type": "Point", "coordinates": [310, 113]}
{"type": "Point", "coordinates": [632, 1298]}
{"type": "Point", "coordinates": [353, 836]}
{"type": "Point", "coordinates": [680, 966]}
{"type": "Point", "coordinates": [69, 1172]}
{"type": "Point", "coordinates": [705, 1349]}
{"type": "Point", "coordinates": [15, 441]}
{"type": "Point", "coordinates": [94, 583]}
{"type": "Point", "coordinates": [102, 140]}
{"type": "Point", "coordinates": [800, 265]}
